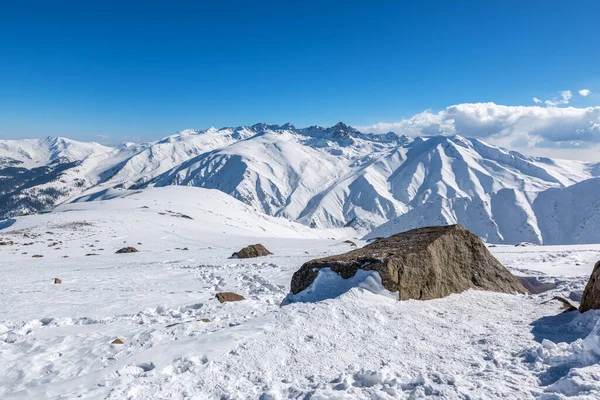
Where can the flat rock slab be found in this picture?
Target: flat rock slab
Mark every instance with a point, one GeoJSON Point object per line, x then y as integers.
{"type": "Point", "coordinates": [228, 296]}
{"type": "Point", "coordinates": [424, 263]}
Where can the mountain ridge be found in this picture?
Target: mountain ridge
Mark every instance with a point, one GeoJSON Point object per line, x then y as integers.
{"type": "Point", "coordinates": [321, 177]}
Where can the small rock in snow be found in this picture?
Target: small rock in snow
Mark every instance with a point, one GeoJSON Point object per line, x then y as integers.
{"type": "Point", "coordinates": [125, 250]}
{"type": "Point", "coordinates": [228, 296]}
{"type": "Point", "coordinates": [254, 250]}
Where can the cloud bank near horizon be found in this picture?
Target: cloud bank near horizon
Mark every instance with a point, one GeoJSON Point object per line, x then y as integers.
{"type": "Point", "coordinates": [510, 126]}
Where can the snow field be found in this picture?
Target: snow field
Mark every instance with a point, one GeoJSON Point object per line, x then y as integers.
{"type": "Point", "coordinates": [352, 343]}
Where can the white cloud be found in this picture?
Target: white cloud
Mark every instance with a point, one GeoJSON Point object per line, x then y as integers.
{"type": "Point", "coordinates": [536, 100]}
{"type": "Point", "coordinates": [564, 98]}
{"type": "Point", "coordinates": [510, 126]}
{"type": "Point", "coordinates": [585, 92]}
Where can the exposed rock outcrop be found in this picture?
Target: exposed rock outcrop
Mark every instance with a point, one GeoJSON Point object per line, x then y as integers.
{"type": "Point", "coordinates": [591, 294]}
{"type": "Point", "coordinates": [425, 263]}
{"type": "Point", "coordinates": [254, 250]}
{"type": "Point", "coordinates": [567, 305]}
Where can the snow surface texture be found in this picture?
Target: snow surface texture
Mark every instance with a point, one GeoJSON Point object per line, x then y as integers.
{"type": "Point", "coordinates": [55, 339]}
{"type": "Point", "coordinates": [323, 178]}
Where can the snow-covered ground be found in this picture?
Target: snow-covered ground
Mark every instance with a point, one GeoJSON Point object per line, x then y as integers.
{"type": "Point", "coordinates": [55, 339]}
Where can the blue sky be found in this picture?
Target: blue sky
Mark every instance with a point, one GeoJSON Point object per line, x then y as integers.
{"type": "Point", "coordinates": [98, 70]}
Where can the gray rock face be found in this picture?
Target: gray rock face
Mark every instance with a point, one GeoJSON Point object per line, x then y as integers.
{"type": "Point", "coordinates": [424, 263]}
{"type": "Point", "coordinates": [591, 294]}
{"type": "Point", "coordinates": [254, 250]}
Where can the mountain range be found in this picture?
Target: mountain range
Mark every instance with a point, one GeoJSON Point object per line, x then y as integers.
{"type": "Point", "coordinates": [378, 184]}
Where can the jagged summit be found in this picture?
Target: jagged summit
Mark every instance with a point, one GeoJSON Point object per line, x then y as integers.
{"type": "Point", "coordinates": [288, 126]}
{"type": "Point", "coordinates": [341, 129]}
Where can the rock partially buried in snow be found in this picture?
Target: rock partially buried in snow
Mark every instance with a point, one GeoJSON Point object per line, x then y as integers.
{"type": "Point", "coordinates": [57, 281]}
{"type": "Point", "coordinates": [424, 263]}
{"type": "Point", "coordinates": [525, 244]}
{"type": "Point", "coordinates": [117, 341]}
{"type": "Point", "coordinates": [350, 242]}
{"type": "Point", "coordinates": [252, 251]}
{"type": "Point", "coordinates": [591, 294]}
{"type": "Point", "coordinates": [126, 250]}
{"type": "Point", "coordinates": [567, 305]}
{"type": "Point", "coordinates": [329, 285]}
{"type": "Point", "coordinates": [228, 296]}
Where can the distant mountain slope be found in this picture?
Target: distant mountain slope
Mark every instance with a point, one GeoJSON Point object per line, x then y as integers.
{"type": "Point", "coordinates": [567, 215]}
{"type": "Point", "coordinates": [32, 153]}
{"type": "Point", "coordinates": [39, 173]}
{"type": "Point", "coordinates": [570, 215]}
{"type": "Point", "coordinates": [329, 179]}
{"type": "Point", "coordinates": [485, 188]}
{"type": "Point", "coordinates": [320, 177]}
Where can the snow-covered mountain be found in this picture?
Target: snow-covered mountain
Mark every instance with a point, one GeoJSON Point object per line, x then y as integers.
{"type": "Point", "coordinates": [40, 173]}
{"type": "Point", "coordinates": [321, 177]}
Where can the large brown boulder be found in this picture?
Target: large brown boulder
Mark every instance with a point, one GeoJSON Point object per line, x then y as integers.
{"type": "Point", "coordinates": [591, 294]}
{"type": "Point", "coordinates": [425, 263]}
{"type": "Point", "coordinates": [254, 250]}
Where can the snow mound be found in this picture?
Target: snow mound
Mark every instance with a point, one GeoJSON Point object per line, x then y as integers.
{"type": "Point", "coordinates": [329, 285]}
{"type": "Point", "coordinates": [574, 367]}
{"type": "Point", "coordinates": [162, 219]}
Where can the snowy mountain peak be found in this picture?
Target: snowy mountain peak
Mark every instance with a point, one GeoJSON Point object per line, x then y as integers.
{"type": "Point", "coordinates": [288, 126]}
{"type": "Point", "coordinates": [342, 129]}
